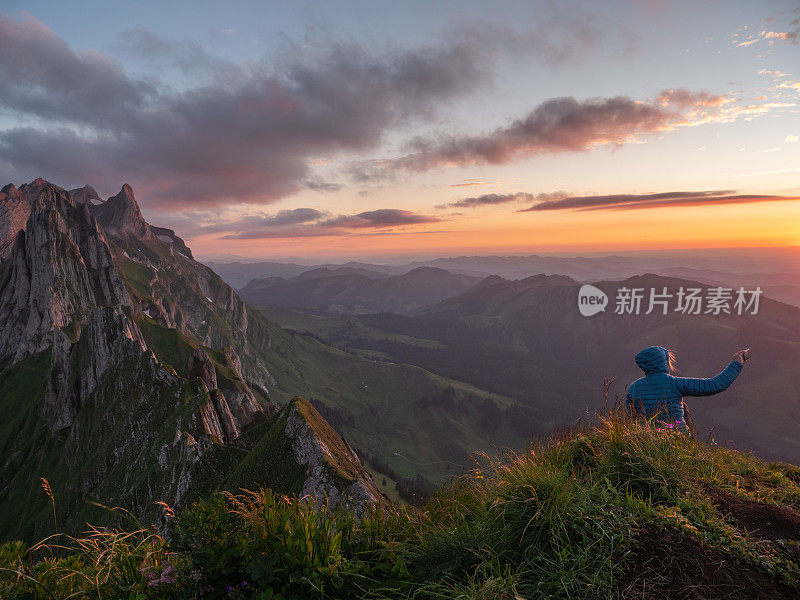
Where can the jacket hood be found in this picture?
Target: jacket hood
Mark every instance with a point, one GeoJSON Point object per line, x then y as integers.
{"type": "Point", "coordinates": [654, 359]}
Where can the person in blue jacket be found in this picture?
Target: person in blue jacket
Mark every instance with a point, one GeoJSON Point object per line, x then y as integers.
{"type": "Point", "coordinates": [660, 394]}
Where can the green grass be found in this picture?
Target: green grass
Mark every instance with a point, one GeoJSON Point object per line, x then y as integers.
{"type": "Point", "coordinates": [22, 434]}
{"type": "Point", "coordinates": [137, 276]}
{"type": "Point", "coordinates": [561, 520]}
{"type": "Point", "coordinates": [384, 400]}
{"type": "Point", "coordinates": [341, 327]}
{"type": "Point", "coordinates": [170, 346]}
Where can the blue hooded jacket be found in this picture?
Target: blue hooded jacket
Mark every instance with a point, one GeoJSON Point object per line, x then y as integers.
{"type": "Point", "coordinates": [658, 390]}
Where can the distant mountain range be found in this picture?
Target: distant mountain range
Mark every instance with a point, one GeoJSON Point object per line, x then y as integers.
{"type": "Point", "coordinates": [239, 274]}
{"type": "Point", "coordinates": [356, 290]}
{"type": "Point", "coordinates": [527, 340]}
{"type": "Point", "coordinates": [775, 270]}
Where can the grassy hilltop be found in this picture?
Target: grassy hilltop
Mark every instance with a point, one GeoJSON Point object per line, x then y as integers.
{"type": "Point", "coordinates": [618, 509]}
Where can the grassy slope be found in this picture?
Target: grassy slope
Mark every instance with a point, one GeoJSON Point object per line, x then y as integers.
{"type": "Point", "coordinates": [384, 401]}
{"type": "Point", "coordinates": [617, 510]}
{"type": "Point", "coordinates": [23, 435]}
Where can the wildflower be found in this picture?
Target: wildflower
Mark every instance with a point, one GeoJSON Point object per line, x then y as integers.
{"type": "Point", "coordinates": [229, 588]}
{"type": "Point", "coordinates": [243, 584]}
{"type": "Point", "coordinates": [165, 577]}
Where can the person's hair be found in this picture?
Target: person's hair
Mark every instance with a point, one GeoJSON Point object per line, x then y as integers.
{"type": "Point", "coordinates": [672, 361]}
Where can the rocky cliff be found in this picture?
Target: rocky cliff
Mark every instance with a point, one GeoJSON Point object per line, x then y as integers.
{"type": "Point", "coordinates": [130, 372]}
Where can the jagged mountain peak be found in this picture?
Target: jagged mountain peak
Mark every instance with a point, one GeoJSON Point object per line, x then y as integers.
{"type": "Point", "coordinates": [59, 268]}
{"type": "Point", "coordinates": [15, 208]}
{"type": "Point", "coordinates": [85, 195]}
{"type": "Point", "coordinates": [39, 182]}
{"type": "Point", "coordinates": [120, 214]}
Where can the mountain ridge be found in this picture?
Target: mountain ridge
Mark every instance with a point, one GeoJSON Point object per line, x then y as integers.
{"type": "Point", "coordinates": [124, 415]}
{"type": "Point", "coordinates": [356, 292]}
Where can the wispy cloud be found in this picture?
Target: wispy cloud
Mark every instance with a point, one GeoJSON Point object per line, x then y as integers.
{"type": "Point", "coordinates": [568, 125]}
{"type": "Point", "coordinates": [384, 217]}
{"type": "Point", "coordinates": [310, 222]}
{"type": "Point", "coordinates": [472, 183]}
{"type": "Point", "coordinates": [495, 199]}
{"type": "Point", "coordinates": [658, 200]}
{"type": "Point", "coordinates": [770, 36]}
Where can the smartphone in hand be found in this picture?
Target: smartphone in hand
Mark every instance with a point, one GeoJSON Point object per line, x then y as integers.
{"type": "Point", "coordinates": [746, 354]}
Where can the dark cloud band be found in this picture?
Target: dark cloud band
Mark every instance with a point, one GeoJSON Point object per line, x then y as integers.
{"type": "Point", "coordinates": [659, 200]}
{"type": "Point", "coordinates": [557, 125]}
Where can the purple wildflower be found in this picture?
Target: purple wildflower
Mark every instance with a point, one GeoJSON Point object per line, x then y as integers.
{"type": "Point", "coordinates": [165, 577]}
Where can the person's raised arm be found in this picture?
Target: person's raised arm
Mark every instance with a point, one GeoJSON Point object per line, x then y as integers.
{"type": "Point", "coordinates": [693, 386]}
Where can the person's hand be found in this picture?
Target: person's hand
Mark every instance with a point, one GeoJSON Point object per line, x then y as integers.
{"type": "Point", "coordinates": [741, 355]}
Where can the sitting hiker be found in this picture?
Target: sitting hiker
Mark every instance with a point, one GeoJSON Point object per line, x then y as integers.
{"type": "Point", "coordinates": [660, 394]}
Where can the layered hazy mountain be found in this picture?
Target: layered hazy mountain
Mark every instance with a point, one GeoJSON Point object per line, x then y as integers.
{"type": "Point", "coordinates": [132, 374]}
{"type": "Point", "coordinates": [775, 270]}
{"type": "Point", "coordinates": [526, 339]}
{"type": "Point", "coordinates": [356, 290]}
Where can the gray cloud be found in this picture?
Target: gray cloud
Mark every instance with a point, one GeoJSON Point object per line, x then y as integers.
{"type": "Point", "coordinates": [293, 217]}
{"type": "Point", "coordinates": [557, 125]}
{"type": "Point", "coordinates": [187, 56]}
{"type": "Point", "coordinates": [659, 200]}
{"type": "Point", "coordinates": [318, 185]}
{"type": "Point", "coordinates": [232, 133]}
{"type": "Point", "coordinates": [489, 200]}
{"type": "Point", "coordinates": [43, 76]}
{"type": "Point", "coordinates": [283, 218]}
{"type": "Point", "coordinates": [493, 199]}
{"type": "Point", "coordinates": [384, 217]}
{"type": "Point", "coordinates": [309, 222]}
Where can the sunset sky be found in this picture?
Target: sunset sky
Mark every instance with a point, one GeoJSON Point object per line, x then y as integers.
{"type": "Point", "coordinates": [382, 129]}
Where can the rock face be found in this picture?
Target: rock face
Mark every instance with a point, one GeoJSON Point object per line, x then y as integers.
{"type": "Point", "coordinates": [14, 212]}
{"type": "Point", "coordinates": [200, 365]}
{"type": "Point", "coordinates": [304, 455]}
{"type": "Point", "coordinates": [85, 195]}
{"type": "Point", "coordinates": [333, 471]}
{"type": "Point", "coordinates": [59, 270]}
{"type": "Point", "coordinates": [120, 215]}
{"type": "Point", "coordinates": [134, 364]}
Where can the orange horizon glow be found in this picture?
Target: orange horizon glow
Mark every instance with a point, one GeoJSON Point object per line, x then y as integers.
{"type": "Point", "coordinates": [762, 224]}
